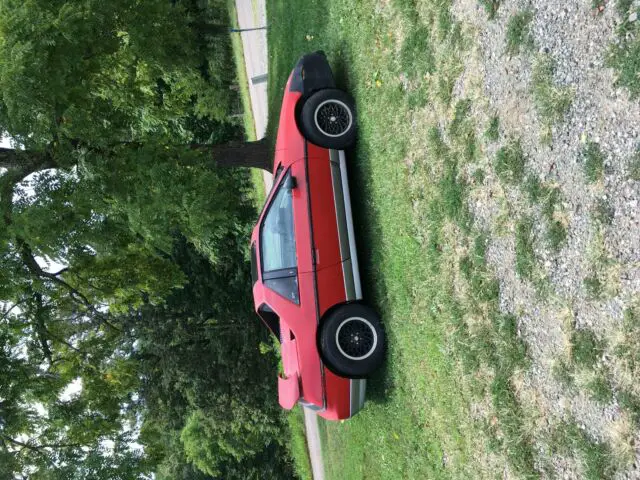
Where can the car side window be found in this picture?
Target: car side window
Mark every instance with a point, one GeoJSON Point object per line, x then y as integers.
{"type": "Point", "coordinates": [278, 244]}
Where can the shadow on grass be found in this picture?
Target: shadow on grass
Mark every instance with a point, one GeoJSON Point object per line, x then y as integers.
{"type": "Point", "coordinates": [367, 226]}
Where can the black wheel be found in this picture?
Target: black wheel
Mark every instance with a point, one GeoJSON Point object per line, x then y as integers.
{"type": "Point", "coordinates": [328, 119]}
{"type": "Point", "coordinates": [352, 341]}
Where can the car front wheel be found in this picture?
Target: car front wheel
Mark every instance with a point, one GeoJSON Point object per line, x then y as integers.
{"type": "Point", "coordinates": [352, 341]}
{"type": "Point", "coordinates": [328, 119]}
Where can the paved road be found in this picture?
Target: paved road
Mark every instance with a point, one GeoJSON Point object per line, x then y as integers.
{"type": "Point", "coordinates": [254, 44]}
{"type": "Point", "coordinates": [255, 56]}
{"type": "Point", "coordinates": [313, 442]}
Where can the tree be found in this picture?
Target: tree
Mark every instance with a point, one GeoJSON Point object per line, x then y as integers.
{"type": "Point", "coordinates": [209, 397]}
{"type": "Point", "coordinates": [114, 108]}
{"type": "Point", "coordinates": [94, 77]}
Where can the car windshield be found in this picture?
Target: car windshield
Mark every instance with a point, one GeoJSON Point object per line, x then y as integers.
{"type": "Point", "coordinates": [277, 240]}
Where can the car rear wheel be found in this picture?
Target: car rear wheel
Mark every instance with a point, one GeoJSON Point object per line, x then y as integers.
{"type": "Point", "coordinates": [328, 119]}
{"type": "Point", "coordinates": [352, 341]}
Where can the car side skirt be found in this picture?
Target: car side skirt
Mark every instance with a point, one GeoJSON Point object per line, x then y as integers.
{"type": "Point", "coordinates": [348, 253]}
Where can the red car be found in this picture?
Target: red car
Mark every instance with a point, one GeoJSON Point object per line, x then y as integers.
{"type": "Point", "coordinates": [306, 282]}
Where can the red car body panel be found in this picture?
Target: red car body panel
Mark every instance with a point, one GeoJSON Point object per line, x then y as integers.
{"type": "Point", "coordinates": [320, 270]}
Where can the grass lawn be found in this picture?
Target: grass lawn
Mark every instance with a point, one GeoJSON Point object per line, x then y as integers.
{"type": "Point", "coordinates": [452, 399]}
{"type": "Point", "coordinates": [449, 348]}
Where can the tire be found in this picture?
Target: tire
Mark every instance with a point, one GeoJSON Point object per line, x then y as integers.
{"type": "Point", "coordinates": [352, 341]}
{"type": "Point", "coordinates": [328, 119]}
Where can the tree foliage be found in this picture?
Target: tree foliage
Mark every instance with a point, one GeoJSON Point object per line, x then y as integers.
{"type": "Point", "coordinates": [125, 328]}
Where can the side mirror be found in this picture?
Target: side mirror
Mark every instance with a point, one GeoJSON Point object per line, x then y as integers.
{"type": "Point", "coordinates": [291, 183]}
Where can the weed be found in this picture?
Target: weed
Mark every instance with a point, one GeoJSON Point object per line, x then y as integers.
{"type": "Point", "coordinates": [550, 197]}
{"type": "Point", "coordinates": [491, 7]}
{"type": "Point", "coordinates": [586, 349]}
{"type": "Point", "coordinates": [525, 255]}
{"type": "Point", "coordinates": [593, 162]}
{"type": "Point", "coordinates": [518, 33]}
{"type": "Point", "coordinates": [631, 403]}
{"type": "Point", "coordinates": [536, 191]}
{"type": "Point", "coordinates": [493, 130]}
{"type": "Point", "coordinates": [484, 288]}
{"type": "Point", "coordinates": [551, 200]}
{"type": "Point", "coordinates": [478, 176]}
{"type": "Point", "coordinates": [623, 7]}
{"type": "Point", "coordinates": [408, 8]}
{"type": "Point", "coordinates": [634, 167]}
{"type": "Point", "coordinates": [556, 234]}
{"type": "Point", "coordinates": [600, 388]}
{"type": "Point", "coordinates": [628, 350]}
{"type": "Point", "coordinates": [603, 212]}
{"type": "Point", "coordinates": [593, 286]}
{"type": "Point", "coordinates": [461, 112]}
{"type": "Point", "coordinates": [624, 54]}
{"type": "Point", "coordinates": [453, 191]}
{"type": "Point", "coordinates": [563, 373]}
{"type": "Point", "coordinates": [470, 149]}
{"type": "Point", "coordinates": [436, 143]}
{"type": "Point", "coordinates": [597, 458]}
{"type": "Point", "coordinates": [552, 101]}
{"type": "Point", "coordinates": [510, 162]}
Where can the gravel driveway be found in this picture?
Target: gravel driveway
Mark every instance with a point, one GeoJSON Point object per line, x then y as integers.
{"type": "Point", "coordinates": [592, 282]}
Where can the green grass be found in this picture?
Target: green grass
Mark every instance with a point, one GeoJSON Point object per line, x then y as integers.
{"type": "Point", "coordinates": [518, 34]}
{"type": "Point", "coordinates": [259, 192]}
{"type": "Point", "coordinates": [552, 101]}
{"type": "Point", "coordinates": [624, 54]}
{"type": "Point", "coordinates": [525, 255]}
{"type": "Point", "coordinates": [600, 388]}
{"type": "Point", "coordinates": [416, 55]}
{"type": "Point", "coordinates": [493, 130]}
{"type": "Point", "coordinates": [298, 444]}
{"type": "Point", "coordinates": [536, 190]}
{"type": "Point", "coordinates": [586, 349]}
{"type": "Point", "coordinates": [510, 163]}
{"type": "Point", "coordinates": [603, 212]}
{"type": "Point", "coordinates": [491, 7]}
{"type": "Point", "coordinates": [549, 199]}
{"type": "Point", "coordinates": [421, 252]}
{"type": "Point", "coordinates": [556, 234]}
{"type": "Point", "coordinates": [593, 162]}
{"type": "Point", "coordinates": [478, 176]}
{"type": "Point", "coordinates": [596, 457]}
{"type": "Point", "coordinates": [634, 167]}
{"type": "Point", "coordinates": [564, 373]}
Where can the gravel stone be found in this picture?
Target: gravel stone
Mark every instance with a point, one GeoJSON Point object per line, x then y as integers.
{"type": "Point", "coordinates": [600, 112]}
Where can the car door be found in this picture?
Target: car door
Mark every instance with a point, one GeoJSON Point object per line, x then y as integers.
{"type": "Point", "coordinates": [285, 259]}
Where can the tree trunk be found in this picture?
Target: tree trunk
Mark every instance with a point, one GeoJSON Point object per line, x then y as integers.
{"type": "Point", "coordinates": [239, 154]}
{"type": "Point", "coordinates": [26, 162]}
{"type": "Point", "coordinates": [231, 154]}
